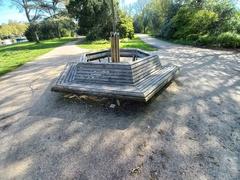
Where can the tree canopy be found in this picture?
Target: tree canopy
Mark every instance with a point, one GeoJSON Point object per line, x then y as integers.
{"type": "Point", "coordinates": [95, 20]}
{"type": "Point", "coordinates": [12, 28]}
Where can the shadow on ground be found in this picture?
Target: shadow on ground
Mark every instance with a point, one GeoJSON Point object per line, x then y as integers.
{"type": "Point", "coordinates": [191, 130]}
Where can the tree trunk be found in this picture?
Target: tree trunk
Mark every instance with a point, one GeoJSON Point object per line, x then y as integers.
{"type": "Point", "coordinates": [31, 22]}
{"type": "Point", "coordinates": [58, 31]}
{"type": "Point", "coordinates": [36, 37]}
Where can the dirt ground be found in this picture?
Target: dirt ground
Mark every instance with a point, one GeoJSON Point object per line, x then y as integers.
{"type": "Point", "coordinates": [190, 130]}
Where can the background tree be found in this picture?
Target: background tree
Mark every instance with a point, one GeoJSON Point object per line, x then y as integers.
{"type": "Point", "coordinates": [200, 22]}
{"type": "Point", "coordinates": [94, 18]}
{"type": "Point", "coordinates": [138, 11]}
{"type": "Point", "coordinates": [55, 9]}
{"type": "Point", "coordinates": [47, 28]}
{"type": "Point", "coordinates": [33, 12]}
{"type": "Point", "coordinates": [12, 29]}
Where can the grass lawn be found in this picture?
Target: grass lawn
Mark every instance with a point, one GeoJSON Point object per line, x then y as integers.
{"type": "Point", "coordinates": [13, 56]}
{"type": "Point", "coordinates": [124, 43]}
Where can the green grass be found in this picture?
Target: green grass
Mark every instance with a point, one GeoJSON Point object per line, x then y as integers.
{"type": "Point", "coordinates": [124, 43]}
{"type": "Point", "coordinates": [13, 56]}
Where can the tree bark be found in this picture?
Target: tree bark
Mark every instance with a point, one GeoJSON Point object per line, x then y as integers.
{"type": "Point", "coordinates": [31, 22]}
{"type": "Point", "coordinates": [36, 37]}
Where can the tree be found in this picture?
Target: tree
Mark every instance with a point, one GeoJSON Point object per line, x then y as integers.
{"type": "Point", "coordinates": [151, 15]}
{"type": "Point", "coordinates": [125, 26]}
{"type": "Point", "coordinates": [47, 28]}
{"type": "Point", "coordinates": [54, 8]}
{"type": "Point", "coordinates": [95, 18]}
{"type": "Point", "coordinates": [32, 11]}
{"type": "Point", "coordinates": [12, 29]}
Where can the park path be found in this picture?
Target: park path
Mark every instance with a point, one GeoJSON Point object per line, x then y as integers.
{"type": "Point", "coordinates": [189, 131]}
{"type": "Point", "coordinates": [21, 86]}
{"type": "Point", "coordinates": [156, 42]}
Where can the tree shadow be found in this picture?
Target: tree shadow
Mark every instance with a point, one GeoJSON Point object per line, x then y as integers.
{"type": "Point", "coordinates": [190, 130]}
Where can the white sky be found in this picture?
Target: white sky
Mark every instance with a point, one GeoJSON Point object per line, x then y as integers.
{"type": "Point", "coordinates": [126, 1]}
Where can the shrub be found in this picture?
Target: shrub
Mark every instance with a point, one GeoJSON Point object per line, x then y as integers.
{"type": "Point", "coordinates": [192, 37]}
{"type": "Point", "coordinates": [12, 29]}
{"type": "Point", "coordinates": [181, 22]}
{"type": "Point", "coordinates": [91, 36]}
{"type": "Point", "coordinates": [51, 28]}
{"type": "Point", "coordinates": [229, 39]}
{"type": "Point", "coordinates": [125, 26]}
{"type": "Point", "coordinates": [188, 22]}
{"type": "Point", "coordinates": [167, 30]}
{"type": "Point", "coordinates": [29, 33]}
{"type": "Point", "coordinates": [232, 25]}
{"type": "Point", "coordinates": [202, 21]}
{"type": "Point", "coordinates": [206, 40]}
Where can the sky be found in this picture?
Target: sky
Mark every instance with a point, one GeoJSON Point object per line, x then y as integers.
{"type": "Point", "coordinates": [9, 12]}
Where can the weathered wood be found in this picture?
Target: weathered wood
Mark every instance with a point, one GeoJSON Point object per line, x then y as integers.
{"type": "Point", "coordinates": [138, 80]}
{"type": "Point", "coordinates": [135, 53]}
{"type": "Point", "coordinates": [154, 79]}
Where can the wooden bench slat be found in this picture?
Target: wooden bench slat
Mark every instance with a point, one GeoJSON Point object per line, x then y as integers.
{"type": "Point", "coordinates": [138, 80]}
{"type": "Point", "coordinates": [154, 81]}
{"type": "Point", "coordinates": [158, 74]}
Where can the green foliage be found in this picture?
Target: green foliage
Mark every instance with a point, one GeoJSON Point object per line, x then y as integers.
{"type": "Point", "coordinates": [95, 19]}
{"type": "Point", "coordinates": [138, 26]}
{"type": "Point", "coordinates": [192, 37]}
{"type": "Point", "coordinates": [92, 16]}
{"type": "Point", "coordinates": [125, 26]}
{"type": "Point", "coordinates": [233, 24]}
{"type": "Point", "coordinates": [152, 16]}
{"type": "Point", "coordinates": [201, 22]}
{"type": "Point", "coordinates": [50, 28]}
{"type": "Point", "coordinates": [187, 22]}
{"type": "Point", "coordinates": [167, 30]}
{"type": "Point", "coordinates": [229, 39]}
{"type": "Point", "coordinates": [29, 33]}
{"type": "Point", "coordinates": [206, 40]}
{"type": "Point", "coordinates": [12, 29]}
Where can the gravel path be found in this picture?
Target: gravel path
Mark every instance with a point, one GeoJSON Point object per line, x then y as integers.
{"type": "Point", "coordinates": [189, 131]}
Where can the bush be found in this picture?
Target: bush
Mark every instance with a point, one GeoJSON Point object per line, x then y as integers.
{"type": "Point", "coordinates": [192, 37]}
{"type": "Point", "coordinates": [125, 26]}
{"type": "Point", "coordinates": [229, 40]}
{"type": "Point", "coordinates": [91, 36]}
{"type": "Point", "coordinates": [206, 40]}
{"type": "Point", "coordinates": [167, 30]}
{"type": "Point", "coordinates": [232, 25]}
{"type": "Point", "coordinates": [51, 28]}
{"type": "Point", "coordinates": [189, 22]}
{"type": "Point", "coordinates": [12, 29]}
{"type": "Point", "coordinates": [29, 33]}
{"type": "Point", "coordinates": [202, 21]}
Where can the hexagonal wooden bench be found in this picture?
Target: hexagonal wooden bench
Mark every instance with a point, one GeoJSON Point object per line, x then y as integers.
{"type": "Point", "coordinates": [138, 79]}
